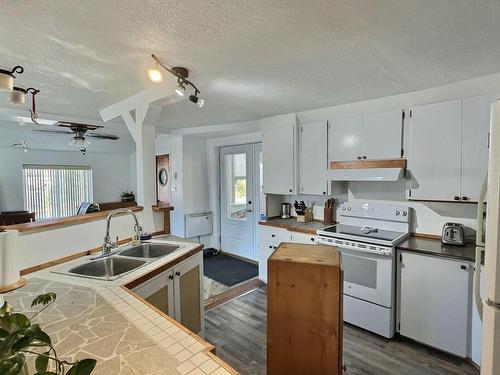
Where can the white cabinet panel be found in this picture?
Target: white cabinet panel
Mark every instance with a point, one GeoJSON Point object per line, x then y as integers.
{"type": "Point", "coordinates": [314, 158]}
{"type": "Point", "coordinates": [280, 158]}
{"type": "Point", "coordinates": [345, 139]}
{"type": "Point", "coordinates": [435, 151]}
{"type": "Point", "coordinates": [476, 325]}
{"type": "Point", "coordinates": [382, 135]}
{"type": "Point", "coordinates": [475, 129]}
{"type": "Point", "coordinates": [434, 301]}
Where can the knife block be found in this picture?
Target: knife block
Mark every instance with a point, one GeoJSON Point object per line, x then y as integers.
{"type": "Point", "coordinates": [306, 218]}
{"type": "Point", "coordinates": [328, 215]}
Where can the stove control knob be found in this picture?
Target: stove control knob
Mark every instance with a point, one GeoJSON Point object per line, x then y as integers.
{"type": "Point", "coordinates": [398, 212]}
{"type": "Point", "coordinates": [349, 208]}
{"type": "Point", "coordinates": [405, 213]}
{"type": "Point", "coordinates": [343, 208]}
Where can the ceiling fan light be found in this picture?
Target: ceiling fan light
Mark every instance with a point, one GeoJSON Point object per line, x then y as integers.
{"type": "Point", "coordinates": [180, 90]}
{"type": "Point", "coordinates": [18, 96]}
{"type": "Point", "coordinates": [7, 78]}
{"type": "Point", "coordinates": [196, 100]}
{"type": "Point", "coordinates": [155, 75]}
{"type": "Point", "coordinates": [78, 142]}
{"type": "Point", "coordinates": [200, 102]}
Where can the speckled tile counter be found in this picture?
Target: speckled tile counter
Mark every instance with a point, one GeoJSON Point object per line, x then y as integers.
{"type": "Point", "coordinates": [103, 320]}
{"type": "Point", "coordinates": [295, 226]}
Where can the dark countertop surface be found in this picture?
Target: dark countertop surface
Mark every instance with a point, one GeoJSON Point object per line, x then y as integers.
{"type": "Point", "coordinates": [294, 225]}
{"type": "Point", "coordinates": [435, 247]}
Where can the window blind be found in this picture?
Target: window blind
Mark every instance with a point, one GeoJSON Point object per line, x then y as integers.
{"type": "Point", "coordinates": [53, 191]}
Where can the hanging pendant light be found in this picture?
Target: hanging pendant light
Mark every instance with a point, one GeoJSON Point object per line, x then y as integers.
{"type": "Point", "coordinates": [18, 96]}
{"type": "Point", "coordinates": [7, 78]}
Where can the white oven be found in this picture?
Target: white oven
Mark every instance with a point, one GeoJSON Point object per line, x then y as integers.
{"type": "Point", "coordinates": [368, 275]}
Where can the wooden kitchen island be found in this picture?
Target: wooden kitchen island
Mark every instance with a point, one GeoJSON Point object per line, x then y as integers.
{"type": "Point", "coordinates": [304, 320]}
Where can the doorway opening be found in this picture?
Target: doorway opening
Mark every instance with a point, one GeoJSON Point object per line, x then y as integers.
{"type": "Point", "coordinates": [234, 269]}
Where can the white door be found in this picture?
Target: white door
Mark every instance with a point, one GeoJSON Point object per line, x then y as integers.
{"type": "Point", "coordinates": [280, 158]}
{"type": "Point", "coordinates": [383, 135]}
{"type": "Point", "coordinates": [345, 139]}
{"type": "Point", "coordinates": [475, 139]}
{"type": "Point", "coordinates": [435, 151]}
{"type": "Point", "coordinates": [239, 211]}
{"type": "Point", "coordinates": [434, 298]}
{"type": "Point", "coordinates": [314, 158]}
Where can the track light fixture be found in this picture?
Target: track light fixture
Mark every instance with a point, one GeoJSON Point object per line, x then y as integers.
{"type": "Point", "coordinates": [7, 78]}
{"type": "Point", "coordinates": [182, 79]}
{"type": "Point", "coordinates": [18, 94]}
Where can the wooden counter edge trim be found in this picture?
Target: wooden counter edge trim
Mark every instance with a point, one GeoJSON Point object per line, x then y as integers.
{"type": "Point", "coordinates": [426, 235]}
{"type": "Point", "coordinates": [70, 257]}
{"type": "Point", "coordinates": [18, 284]}
{"type": "Point", "coordinates": [209, 350]}
{"type": "Point", "coordinates": [147, 276]}
{"type": "Point", "coordinates": [368, 164]}
{"type": "Point", "coordinates": [289, 227]}
{"type": "Point", "coordinates": [65, 221]}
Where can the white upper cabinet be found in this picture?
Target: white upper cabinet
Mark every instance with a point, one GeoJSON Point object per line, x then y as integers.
{"type": "Point", "coordinates": [371, 137]}
{"type": "Point", "coordinates": [383, 135]}
{"type": "Point", "coordinates": [314, 158]}
{"type": "Point", "coordinates": [448, 149]}
{"type": "Point", "coordinates": [345, 139]}
{"type": "Point", "coordinates": [475, 134]}
{"type": "Point", "coordinates": [280, 154]}
{"type": "Point", "coordinates": [435, 149]}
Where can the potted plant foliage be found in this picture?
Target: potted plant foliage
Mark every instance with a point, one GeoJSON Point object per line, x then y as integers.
{"type": "Point", "coordinates": [127, 196]}
{"type": "Point", "coordinates": [20, 337]}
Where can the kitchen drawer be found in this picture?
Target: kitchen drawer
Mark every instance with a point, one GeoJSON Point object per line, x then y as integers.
{"type": "Point", "coordinates": [299, 237]}
{"type": "Point", "coordinates": [273, 234]}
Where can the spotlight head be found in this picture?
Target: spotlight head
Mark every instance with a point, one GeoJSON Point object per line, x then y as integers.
{"type": "Point", "coordinates": [155, 75]}
{"type": "Point", "coordinates": [180, 90]}
{"type": "Point", "coordinates": [196, 100]}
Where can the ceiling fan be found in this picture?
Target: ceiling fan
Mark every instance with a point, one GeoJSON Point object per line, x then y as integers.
{"type": "Point", "coordinates": [80, 133]}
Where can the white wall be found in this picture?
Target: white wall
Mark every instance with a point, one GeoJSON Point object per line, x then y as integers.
{"type": "Point", "coordinates": [111, 173]}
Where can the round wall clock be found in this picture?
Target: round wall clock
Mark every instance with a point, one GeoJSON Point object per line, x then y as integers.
{"type": "Point", "coordinates": [163, 176]}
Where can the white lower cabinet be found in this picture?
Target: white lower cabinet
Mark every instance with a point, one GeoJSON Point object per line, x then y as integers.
{"type": "Point", "coordinates": [434, 298]}
{"type": "Point", "coordinates": [298, 237]}
{"type": "Point", "coordinates": [178, 292]}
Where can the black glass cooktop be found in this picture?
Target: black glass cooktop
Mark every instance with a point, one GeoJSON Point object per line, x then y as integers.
{"type": "Point", "coordinates": [373, 233]}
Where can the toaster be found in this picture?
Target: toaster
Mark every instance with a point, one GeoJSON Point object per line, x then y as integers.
{"type": "Point", "coordinates": [453, 234]}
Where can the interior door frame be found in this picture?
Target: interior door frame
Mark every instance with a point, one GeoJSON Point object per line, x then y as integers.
{"type": "Point", "coordinates": [257, 183]}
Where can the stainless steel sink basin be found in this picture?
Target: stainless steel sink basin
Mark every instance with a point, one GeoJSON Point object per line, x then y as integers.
{"type": "Point", "coordinates": [149, 250]}
{"type": "Point", "coordinates": [107, 267]}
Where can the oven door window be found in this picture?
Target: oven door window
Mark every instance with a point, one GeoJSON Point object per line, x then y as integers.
{"type": "Point", "coordinates": [360, 271]}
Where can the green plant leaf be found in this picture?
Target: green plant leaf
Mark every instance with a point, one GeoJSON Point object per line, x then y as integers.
{"type": "Point", "coordinates": [82, 367]}
{"type": "Point", "coordinates": [37, 335]}
{"type": "Point", "coordinates": [41, 362]}
{"type": "Point", "coordinates": [44, 299]}
{"type": "Point", "coordinates": [13, 364]}
{"type": "Point", "coordinates": [46, 373]}
{"type": "Point", "coordinates": [3, 333]}
{"type": "Point", "coordinates": [6, 308]}
{"type": "Point", "coordinates": [18, 321]}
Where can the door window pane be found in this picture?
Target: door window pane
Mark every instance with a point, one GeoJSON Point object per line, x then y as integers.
{"type": "Point", "coordinates": [236, 186]}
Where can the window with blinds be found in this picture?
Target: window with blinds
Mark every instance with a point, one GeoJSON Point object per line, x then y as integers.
{"type": "Point", "coordinates": [53, 191]}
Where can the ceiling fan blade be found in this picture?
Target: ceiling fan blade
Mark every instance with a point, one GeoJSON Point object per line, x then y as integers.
{"type": "Point", "coordinates": [52, 131]}
{"type": "Point", "coordinates": [102, 136]}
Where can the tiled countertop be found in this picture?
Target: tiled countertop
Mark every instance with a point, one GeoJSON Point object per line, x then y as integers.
{"type": "Point", "coordinates": [294, 225]}
{"type": "Point", "coordinates": [105, 321]}
{"type": "Point", "coordinates": [435, 247]}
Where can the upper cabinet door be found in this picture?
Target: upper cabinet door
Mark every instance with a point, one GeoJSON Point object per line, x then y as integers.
{"type": "Point", "coordinates": [475, 133]}
{"type": "Point", "coordinates": [314, 158]}
{"type": "Point", "coordinates": [435, 151]}
{"type": "Point", "coordinates": [345, 139]}
{"type": "Point", "coordinates": [383, 135]}
{"type": "Point", "coordinates": [280, 157]}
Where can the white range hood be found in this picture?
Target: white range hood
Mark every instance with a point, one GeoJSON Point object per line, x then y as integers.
{"type": "Point", "coordinates": [372, 174]}
{"type": "Point", "coordinates": [368, 170]}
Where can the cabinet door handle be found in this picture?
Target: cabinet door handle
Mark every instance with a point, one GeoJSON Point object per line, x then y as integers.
{"type": "Point", "coordinates": [273, 235]}
{"type": "Point", "coordinates": [312, 239]}
{"type": "Point", "coordinates": [364, 156]}
{"type": "Point", "coordinates": [290, 190]}
{"type": "Point", "coordinates": [359, 157]}
{"type": "Point", "coordinates": [177, 273]}
{"type": "Point", "coordinates": [324, 192]}
{"type": "Point", "coordinates": [463, 267]}
{"type": "Point", "coordinates": [465, 198]}
{"type": "Point", "coordinates": [456, 197]}
{"type": "Point", "coordinates": [171, 277]}
{"type": "Point", "coordinates": [270, 246]}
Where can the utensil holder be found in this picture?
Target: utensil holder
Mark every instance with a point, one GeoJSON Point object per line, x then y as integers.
{"type": "Point", "coordinates": [328, 215]}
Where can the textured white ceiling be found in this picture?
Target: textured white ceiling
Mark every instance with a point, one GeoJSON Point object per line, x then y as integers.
{"type": "Point", "coordinates": [251, 59]}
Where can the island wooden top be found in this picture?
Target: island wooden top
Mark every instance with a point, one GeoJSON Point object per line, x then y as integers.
{"type": "Point", "coordinates": [304, 253]}
{"type": "Point", "coordinates": [64, 221]}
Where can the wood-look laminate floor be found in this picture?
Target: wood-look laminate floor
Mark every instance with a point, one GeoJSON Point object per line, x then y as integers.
{"type": "Point", "coordinates": [238, 331]}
